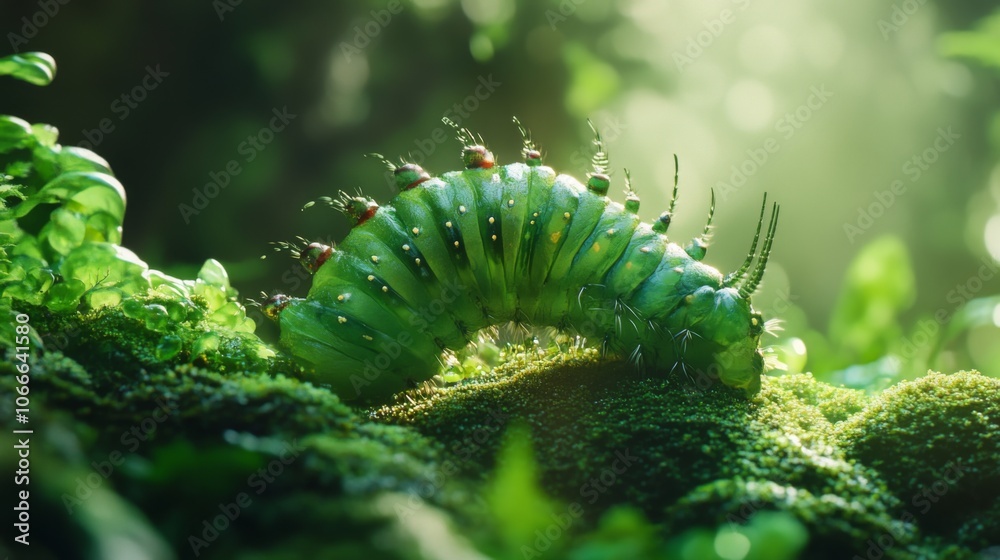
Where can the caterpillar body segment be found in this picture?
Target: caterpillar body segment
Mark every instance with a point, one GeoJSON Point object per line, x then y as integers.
{"type": "Point", "coordinates": [472, 249]}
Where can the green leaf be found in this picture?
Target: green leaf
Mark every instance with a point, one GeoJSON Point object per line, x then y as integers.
{"type": "Point", "coordinates": [89, 193]}
{"type": "Point", "coordinates": [33, 67]}
{"type": "Point", "coordinates": [14, 133]}
{"type": "Point", "coordinates": [981, 45]}
{"type": "Point", "coordinates": [516, 498]}
{"type": "Point", "coordinates": [879, 285]}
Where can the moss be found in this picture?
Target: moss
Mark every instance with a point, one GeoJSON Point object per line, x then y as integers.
{"type": "Point", "coordinates": [176, 443]}
{"type": "Point", "coordinates": [839, 526]}
{"type": "Point", "coordinates": [835, 403]}
{"type": "Point", "coordinates": [590, 418]}
{"type": "Point", "coordinates": [936, 442]}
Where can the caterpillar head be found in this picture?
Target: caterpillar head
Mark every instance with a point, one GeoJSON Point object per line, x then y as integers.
{"type": "Point", "coordinates": [734, 328]}
{"type": "Point", "coordinates": [734, 323]}
{"type": "Point", "coordinates": [274, 305]}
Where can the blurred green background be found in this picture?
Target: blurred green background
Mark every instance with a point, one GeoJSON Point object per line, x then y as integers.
{"type": "Point", "coordinates": [876, 126]}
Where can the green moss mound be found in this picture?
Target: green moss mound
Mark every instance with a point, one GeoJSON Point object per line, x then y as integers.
{"type": "Point", "coordinates": [835, 403]}
{"type": "Point", "coordinates": [936, 443]}
{"type": "Point", "coordinates": [604, 436]}
{"type": "Point", "coordinates": [172, 447]}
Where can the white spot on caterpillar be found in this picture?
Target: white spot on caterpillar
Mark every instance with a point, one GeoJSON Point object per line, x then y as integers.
{"type": "Point", "coordinates": [611, 231]}
{"type": "Point", "coordinates": [566, 215]}
{"type": "Point", "coordinates": [491, 219]}
{"type": "Point", "coordinates": [366, 337]}
{"type": "Point", "coordinates": [678, 270]}
{"type": "Point", "coordinates": [416, 231]}
{"type": "Point", "coordinates": [406, 247]}
{"type": "Point", "coordinates": [341, 319]}
{"type": "Point", "coordinates": [447, 225]}
{"type": "Point", "coordinates": [375, 259]}
{"type": "Point", "coordinates": [417, 261]}
{"type": "Point", "coordinates": [371, 278]}
{"type": "Point", "coordinates": [644, 249]}
{"type": "Point", "coordinates": [385, 289]}
{"type": "Point", "coordinates": [462, 210]}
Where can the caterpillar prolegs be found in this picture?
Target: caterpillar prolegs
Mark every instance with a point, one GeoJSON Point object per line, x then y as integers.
{"type": "Point", "coordinates": [489, 244]}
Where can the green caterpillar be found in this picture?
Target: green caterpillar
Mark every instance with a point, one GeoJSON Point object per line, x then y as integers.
{"type": "Point", "coordinates": [487, 245]}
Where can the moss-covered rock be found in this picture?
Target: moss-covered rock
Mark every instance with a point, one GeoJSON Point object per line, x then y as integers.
{"type": "Point", "coordinates": [936, 442]}
{"type": "Point", "coordinates": [168, 448]}
{"type": "Point", "coordinates": [605, 436]}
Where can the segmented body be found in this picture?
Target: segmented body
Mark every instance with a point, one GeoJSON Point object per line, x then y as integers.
{"type": "Point", "coordinates": [471, 249]}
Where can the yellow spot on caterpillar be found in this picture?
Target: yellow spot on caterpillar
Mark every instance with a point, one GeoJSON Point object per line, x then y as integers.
{"type": "Point", "coordinates": [456, 244]}
{"type": "Point", "coordinates": [689, 298]}
{"type": "Point", "coordinates": [341, 319]}
{"type": "Point", "coordinates": [611, 231]}
{"type": "Point", "coordinates": [341, 297]}
{"type": "Point", "coordinates": [491, 219]}
{"type": "Point", "coordinates": [566, 215]}
{"type": "Point", "coordinates": [532, 222]}
{"type": "Point", "coordinates": [510, 203]}
{"type": "Point", "coordinates": [416, 231]}
{"type": "Point", "coordinates": [447, 225]}
{"type": "Point", "coordinates": [628, 265]}
{"type": "Point", "coordinates": [375, 259]}
{"type": "Point", "coordinates": [493, 237]}
{"type": "Point", "coordinates": [406, 247]}
{"type": "Point", "coordinates": [366, 337]}
{"type": "Point", "coordinates": [597, 247]}
{"type": "Point", "coordinates": [371, 278]}
{"type": "Point", "coordinates": [462, 210]}
{"type": "Point", "coordinates": [644, 249]}
{"type": "Point", "coordinates": [417, 261]}
{"type": "Point", "coordinates": [535, 215]}
{"type": "Point", "coordinates": [555, 236]}
{"type": "Point", "coordinates": [385, 289]}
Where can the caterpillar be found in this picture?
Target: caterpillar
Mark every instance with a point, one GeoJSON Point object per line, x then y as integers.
{"type": "Point", "coordinates": [488, 245]}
